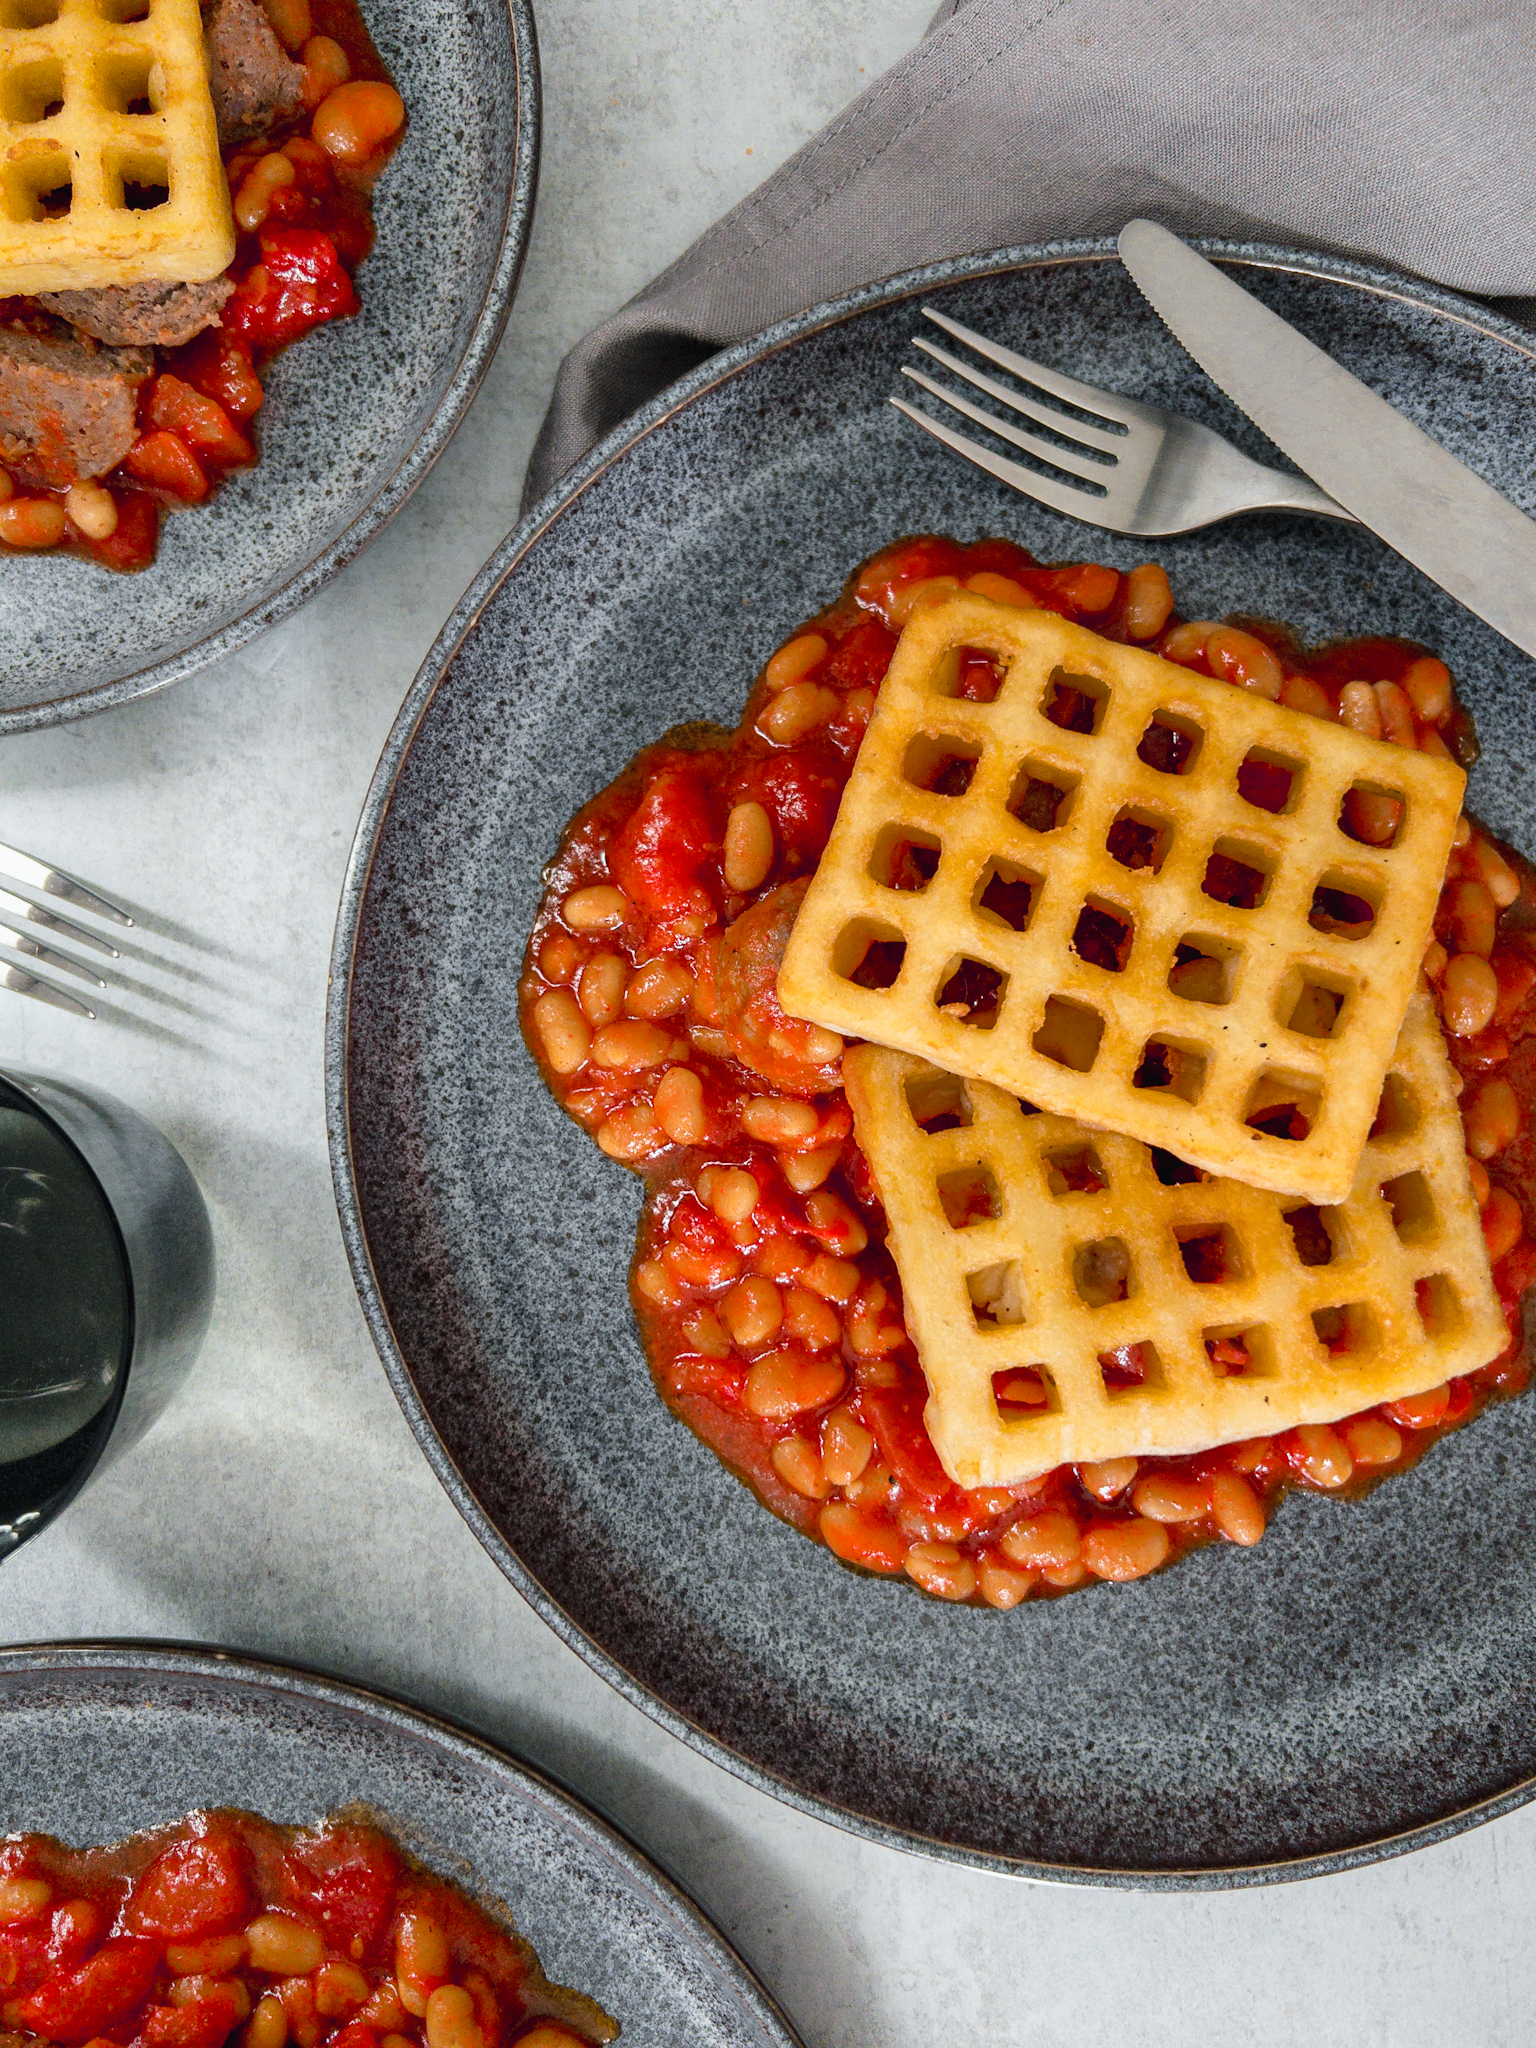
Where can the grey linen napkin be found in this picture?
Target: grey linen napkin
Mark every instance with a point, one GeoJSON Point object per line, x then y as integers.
{"type": "Point", "coordinates": [1396, 129]}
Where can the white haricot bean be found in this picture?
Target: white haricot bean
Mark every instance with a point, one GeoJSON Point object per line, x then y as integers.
{"type": "Point", "coordinates": [600, 988]}
{"type": "Point", "coordinates": [680, 1106]}
{"type": "Point", "coordinates": [748, 847]}
{"type": "Point", "coordinates": [283, 1945]}
{"type": "Point", "coordinates": [1148, 601]}
{"type": "Point", "coordinates": [597, 908]}
{"type": "Point", "coordinates": [797, 1464]}
{"type": "Point", "coordinates": [451, 2021]}
{"type": "Point", "coordinates": [563, 1031]}
{"type": "Point", "coordinates": [795, 659]}
{"type": "Point", "coordinates": [93, 509]}
{"type": "Point", "coordinates": [796, 712]}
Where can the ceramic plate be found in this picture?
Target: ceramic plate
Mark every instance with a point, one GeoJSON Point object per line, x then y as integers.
{"type": "Point", "coordinates": [354, 416]}
{"type": "Point", "coordinates": [1362, 1680]}
{"type": "Point", "coordinates": [99, 1742]}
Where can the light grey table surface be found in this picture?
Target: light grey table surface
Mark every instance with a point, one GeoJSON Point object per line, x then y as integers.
{"type": "Point", "coordinates": [282, 1505]}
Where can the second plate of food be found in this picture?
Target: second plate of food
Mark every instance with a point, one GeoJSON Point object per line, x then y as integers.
{"type": "Point", "coordinates": [1355, 1683]}
{"type": "Point", "coordinates": [153, 391]}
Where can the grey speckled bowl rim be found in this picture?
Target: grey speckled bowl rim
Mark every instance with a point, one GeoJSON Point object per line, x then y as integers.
{"type": "Point", "coordinates": [463, 622]}
{"type": "Point", "coordinates": [386, 501]}
{"type": "Point", "coordinates": [263, 1674]}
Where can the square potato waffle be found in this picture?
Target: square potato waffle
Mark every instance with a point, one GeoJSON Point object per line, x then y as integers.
{"type": "Point", "coordinates": [1072, 1035]}
{"type": "Point", "coordinates": [81, 174]}
{"type": "Point", "coordinates": [1404, 1287]}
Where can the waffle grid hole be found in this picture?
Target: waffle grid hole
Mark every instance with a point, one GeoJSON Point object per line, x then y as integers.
{"type": "Point", "coordinates": [868, 954]}
{"type": "Point", "coordinates": [939, 1102]}
{"type": "Point", "coordinates": [1439, 1306]}
{"type": "Point", "coordinates": [37, 186]}
{"type": "Point", "coordinates": [1212, 1253]}
{"type": "Point", "coordinates": [1021, 1393]}
{"type": "Point", "coordinates": [1103, 935]}
{"type": "Point", "coordinates": [139, 180]}
{"type": "Point", "coordinates": [1238, 874]}
{"type": "Point", "coordinates": [1172, 1067]}
{"type": "Point", "coordinates": [1007, 894]}
{"type": "Point", "coordinates": [1283, 1105]}
{"type": "Point", "coordinates": [1075, 703]}
{"type": "Point", "coordinates": [32, 91]}
{"type": "Point", "coordinates": [1397, 1112]}
{"type": "Point", "coordinates": [969, 1195]}
{"type": "Point", "coordinates": [1205, 970]}
{"type": "Point", "coordinates": [942, 763]}
{"type": "Point", "coordinates": [1171, 743]}
{"type": "Point", "coordinates": [972, 992]}
{"type": "Point", "coordinates": [997, 1296]}
{"type": "Point", "coordinates": [1236, 1351]}
{"type": "Point", "coordinates": [1069, 1034]}
{"type": "Point", "coordinates": [1270, 781]}
{"type": "Point", "coordinates": [130, 82]}
{"type": "Point", "coordinates": [1042, 797]}
{"type": "Point", "coordinates": [1373, 814]}
{"type": "Point", "coordinates": [121, 12]}
{"type": "Point", "coordinates": [1345, 905]}
{"type": "Point", "coordinates": [1412, 1207]}
{"type": "Point", "coordinates": [1313, 1003]}
{"type": "Point", "coordinates": [1317, 1235]}
{"type": "Point", "coordinates": [1101, 1271]}
{"type": "Point", "coordinates": [1131, 1370]}
{"type": "Point", "coordinates": [1348, 1331]}
{"type": "Point", "coordinates": [1074, 1170]}
{"type": "Point", "coordinates": [904, 858]}
{"type": "Point", "coordinates": [1139, 840]}
{"type": "Point", "coordinates": [24, 14]}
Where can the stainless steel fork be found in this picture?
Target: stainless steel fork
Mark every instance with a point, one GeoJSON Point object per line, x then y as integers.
{"type": "Point", "coordinates": [51, 881]}
{"type": "Point", "coordinates": [1130, 467]}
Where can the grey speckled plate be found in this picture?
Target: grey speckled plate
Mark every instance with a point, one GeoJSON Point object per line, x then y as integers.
{"type": "Point", "coordinates": [355, 414]}
{"type": "Point", "coordinates": [1362, 1681]}
{"type": "Point", "coordinates": [100, 1741]}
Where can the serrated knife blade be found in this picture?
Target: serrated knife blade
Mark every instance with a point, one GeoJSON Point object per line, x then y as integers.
{"type": "Point", "coordinates": [1408, 489]}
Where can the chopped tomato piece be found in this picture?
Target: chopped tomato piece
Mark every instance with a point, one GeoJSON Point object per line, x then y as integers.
{"type": "Point", "coordinates": [896, 1416]}
{"type": "Point", "coordinates": [299, 283]}
{"type": "Point", "coordinates": [220, 365]}
{"type": "Point", "coordinates": [669, 840]}
{"type": "Point", "coordinates": [346, 1880]}
{"type": "Point", "coordinates": [195, 1888]}
{"type": "Point", "coordinates": [164, 459]}
{"type": "Point", "coordinates": [206, 2022]}
{"type": "Point", "coordinates": [198, 420]}
{"type": "Point", "coordinates": [132, 546]}
{"type": "Point", "coordinates": [74, 2008]}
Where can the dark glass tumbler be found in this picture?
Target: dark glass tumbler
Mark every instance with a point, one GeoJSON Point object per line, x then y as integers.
{"type": "Point", "coordinates": [106, 1286]}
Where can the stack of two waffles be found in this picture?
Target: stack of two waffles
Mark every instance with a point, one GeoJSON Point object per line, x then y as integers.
{"type": "Point", "coordinates": [1163, 1124]}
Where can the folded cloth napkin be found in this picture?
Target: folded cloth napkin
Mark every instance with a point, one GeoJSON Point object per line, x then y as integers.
{"type": "Point", "coordinates": [1395, 129]}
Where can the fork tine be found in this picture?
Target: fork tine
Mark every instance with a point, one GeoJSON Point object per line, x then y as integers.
{"type": "Point", "coordinates": [1044, 490]}
{"type": "Point", "coordinates": [1101, 403]}
{"type": "Point", "coordinates": [50, 956]}
{"type": "Point", "coordinates": [1046, 451]}
{"type": "Point", "coordinates": [41, 991]}
{"type": "Point", "coordinates": [1042, 415]}
{"type": "Point", "coordinates": [66, 928]}
{"type": "Point", "coordinates": [21, 867]}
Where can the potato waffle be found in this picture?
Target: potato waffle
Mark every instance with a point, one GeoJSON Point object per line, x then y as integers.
{"type": "Point", "coordinates": [982, 852]}
{"type": "Point", "coordinates": [109, 157]}
{"type": "Point", "coordinates": [1036, 1255]}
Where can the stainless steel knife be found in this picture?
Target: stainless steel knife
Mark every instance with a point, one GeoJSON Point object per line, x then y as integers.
{"type": "Point", "coordinates": [1423, 502]}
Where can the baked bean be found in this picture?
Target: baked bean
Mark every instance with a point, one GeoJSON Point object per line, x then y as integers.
{"type": "Point", "coordinates": [559, 957]}
{"type": "Point", "coordinates": [1461, 832]}
{"type": "Point", "coordinates": [1428, 683]}
{"type": "Point", "coordinates": [1250, 1454]}
{"type": "Point", "coordinates": [1243, 658]}
{"type": "Point", "coordinates": [6, 485]}
{"type": "Point", "coordinates": [1162, 1498]}
{"type": "Point", "coordinates": [1305, 693]}
{"type": "Point", "coordinates": [77, 1924]}
{"type": "Point", "coordinates": [1148, 601]}
{"type": "Point", "coordinates": [1360, 710]}
{"type": "Point", "coordinates": [807, 1170]}
{"type": "Point", "coordinates": [1499, 878]}
{"type": "Point", "coordinates": [93, 509]}
{"type": "Point", "coordinates": [228, 1993]}
{"type": "Point", "coordinates": [1474, 918]}
{"type": "Point", "coordinates": [781, 1258]}
{"type": "Point", "coordinates": [873, 1487]}
{"type": "Point", "coordinates": [600, 988]}
{"type": "Point", "coordinates": [789, 1383]}
{"type": "Point", "coordinates": [706, 1334]}
{"type": "Point", "coordinates": [283, 1945]}
{"type": "Point", "coordinates": [858, 1538]}
{"type": "Point", "coordinates": [716, 1266]}
{"type": "Point", "coordinates": [1325, 1457]}
{"type": "Point", "coordinates": [1107, 1476]}
{"type": "Point", "coordinates": [23, 1899]}
{"type": "Point", "coordinates": [748, 847]}
{"type": "Point", "coordinates": [940, 1569]}
{"type": "Point", "coordinates": [1186, 643]}
{"type": "Point", "coordinates": [811, 1321]}
{"type": "Point", "coordinates": [1371, 1441]}
{"type": "Point", "coordinates": [794, 660]}
{"type": "Point", "coordinates": [404, 2041]}
{"type": "Point", "coordinates": [1001, 589]}
{"type": "Point", "coordinates": [773, 1122]}
{"type": "Point", "coordinates": [325, 67]}
{"type": "Point", "coordinates": [357, 119]}
{"type": "Point", "coordinates": [268, 2026]}
{"type": "Point", "coordinates": [1430, 742]}
{"type": "Point", "coordinates": [1435, 958]}
{"type": "Point", "coordinates": [598, 908]}
{"type": "Point", "coordinates": [1420, 1411]}
{"type": "Point", "coordinates": [658, 988]}
{"type": "Point", "coordinates": [291, 19]}
{"type": "Point", "coordinates": [1051, 1538]}
{"type": "Point", "coordinates": [834, 1225]}
{"type": "Point", "coordinates": [31, 522]}
{"type": "Point", "coordinates": [1000, 1587]}
{"type": "Point", "coordinates": [927, 590]}
{"type": "Point", "coordinates": [1374, 818]}
{"type": "Point", "coordinates": [421, 1960]}
{"type": "Point", "coordinates": [339, 1988]}
{"type": "Point", "coordinates": [1396, 712]}
{"type": "Point", "coordinates": [1503, 1224]}
{"type": "Point", "coordinates": [753, 1312]}
{"type": "Point", "coordinates": [216, 1957]}
{"type": "Point", "coordinates": [820, 1046]}
{"type": "Point", "coordinates": [630, 1133]}
{"type": "Point", "coordinates": [729, 1191]}
{"type": "Point", "coordinates": [1126, 1550]}
{"type": "Point", "coordinates": [1073, 1574]}
{"type": "Point", "coordinates": [1235, 1508]}
{"type": "Point", "coordinates": [1490, 1116]}
{"type": "Point", "coordinates": [1468, 992]}
{"type": "Point", "coordinates": [833, 1279]}
{"type": "Point", "coordinates": [798, 1465]}
{"type": "Point", "coordinates": [680, 1106]}
{"type": "Point", "coordinates": [846, 1447]}
{"type": "Point", "coordinates": [657, 1284]}
{"type": "Point", "coordinates": [451, 2021]}
{"type": "Point", "coordinates": [797, 711]}
{"type": "Point", "coordinates": [631, 1046]}
{"type": "Point", "coordinates": [259, 187]}
{"type": "Point", "coordinates": [1482, 1186]}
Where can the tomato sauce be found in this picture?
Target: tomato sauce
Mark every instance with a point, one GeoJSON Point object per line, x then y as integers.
{"type": "Point", "coordinates": [769, 1306]}
{"type": "Point", "coordinates": [226, 1925]}
{"type": "Point", "coordinates": [196, 411]}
